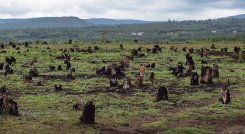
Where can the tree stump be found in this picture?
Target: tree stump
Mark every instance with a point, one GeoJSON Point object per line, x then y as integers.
{"type": "Point", "coordinates": [79, 103]}
{"type": "Point", "coordinates": [162, 94]}
{"type": "Point", "coordinates": [151, 78]}
{"type": "Point", "coordinates": [225, 96]}
{"type": "Point", "coordinates": [194, 79]}
{"type": "Point", "coordinates": [126, 83]}
{"type": "Point", "coordinates": [88, 116]}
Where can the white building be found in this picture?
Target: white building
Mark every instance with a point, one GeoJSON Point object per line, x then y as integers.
{"type": "Point", "coordinates": [134, 34]}
{"type": "Point", "coordinates": [137, 33]}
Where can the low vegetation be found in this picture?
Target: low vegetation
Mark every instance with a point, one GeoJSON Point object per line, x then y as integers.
{"type": "Point", "coordinates": [189, 109]}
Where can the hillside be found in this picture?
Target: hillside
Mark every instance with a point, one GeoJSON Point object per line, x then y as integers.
{"type": "Point", "coordinates": [75, 22]}
{"type": "Point", "coordinates": [93, 30]}
{"type": "Point", "coordinates": [241, 16]}
{"type": "Point", "coordinates": [45, 22]}
{"type": "Point", "coordinates": [60, 22]}
{"type": "Point", "coordinates": [221, 29]}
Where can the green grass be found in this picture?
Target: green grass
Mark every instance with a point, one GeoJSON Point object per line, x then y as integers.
{"type": "Point", "coordinates": [44, 111]}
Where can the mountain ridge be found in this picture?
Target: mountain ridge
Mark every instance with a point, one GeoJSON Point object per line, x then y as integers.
{"type": "Point", "coordinates": [240, 16]}
{"type": "Point", "coordinates": [60, 22]}
{"type": "Point", "coordinates": [73, 22]}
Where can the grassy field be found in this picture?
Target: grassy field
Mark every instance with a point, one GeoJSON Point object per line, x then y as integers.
{"type": "Point", "coordinates": [190, 109]}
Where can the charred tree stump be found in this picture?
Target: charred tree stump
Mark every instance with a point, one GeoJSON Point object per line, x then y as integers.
{"type": "Point", "coordinates": [88, 116]}
{"type": "Point", "coordinates": [162, 94]}
{"type": "Point", "coordinates": [194, 79]}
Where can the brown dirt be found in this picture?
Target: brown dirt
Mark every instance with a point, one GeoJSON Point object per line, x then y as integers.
{"type": "Point", "coordinates": [232, 55]}
{"type": "Point", "coordinates": [222, 125]}
{"type": "Point", "coordinates": [229, 125]}
{"type": "Point", "coordinates": [232, 125]}
{"type": "Point", "coordinates": [64, 77]}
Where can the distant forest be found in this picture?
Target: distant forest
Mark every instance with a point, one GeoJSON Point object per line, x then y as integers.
{"type": "Point", "coordinates": [216, 30]}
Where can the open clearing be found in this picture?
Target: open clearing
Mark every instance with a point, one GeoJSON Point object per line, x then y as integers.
{"type": "Point", "coordinates": [192, 109]}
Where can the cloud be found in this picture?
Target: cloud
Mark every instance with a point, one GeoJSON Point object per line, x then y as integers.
{"type": "Point", "coordinates": [123, 9]}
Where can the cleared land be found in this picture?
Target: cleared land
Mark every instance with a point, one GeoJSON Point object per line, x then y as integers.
{"type": "Point", "coordinates": [189, 109]}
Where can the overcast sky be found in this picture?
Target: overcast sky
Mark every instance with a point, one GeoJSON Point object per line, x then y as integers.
{"type": "Point", "coordinates": [123, 9]}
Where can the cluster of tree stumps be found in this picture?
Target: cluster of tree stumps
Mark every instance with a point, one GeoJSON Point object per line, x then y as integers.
{"type": "Point", "coordinates": [114, 72]}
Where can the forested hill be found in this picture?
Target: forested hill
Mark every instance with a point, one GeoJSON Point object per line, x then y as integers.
{"type": "Point", "coordinates": [218, 29]}
{"type": "Point", "coordinates": [61, 22]}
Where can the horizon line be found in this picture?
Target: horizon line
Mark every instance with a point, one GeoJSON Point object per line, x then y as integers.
{"type": "Point", "coordinates": [19, 18]}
